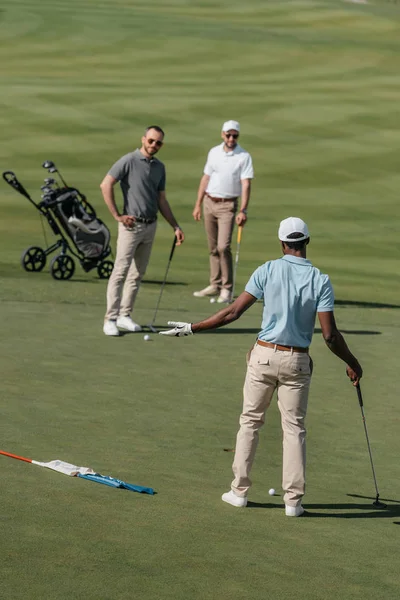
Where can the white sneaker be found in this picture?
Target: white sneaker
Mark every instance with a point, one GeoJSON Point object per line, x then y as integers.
{"type": "Point", "coordinates": [126, 324]}
{"type": "Point", "coordinates": [225, 296]}
{"type": "Point", "coordinates": [210, 290]}
{"type": "Point", "coordinates": [294, 511]}
{"type": "Point", "coordinates": [232, 498]}
{"type": "Point", "coordinates": [110, 328]}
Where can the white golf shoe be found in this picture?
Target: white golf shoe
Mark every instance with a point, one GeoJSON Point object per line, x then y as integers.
{"type": "Point", "coordinates": [234, 500]}
{"type": "Point", "coordinates": [210, 290]}
{"type": "Point", "coordinates": [126, 324]}
{"type": "Point", "coordinates": [294, 511]}
{"type": "Point", "coordinates": [110, 328]}
{"type": "Point", "coordinates": [225, 297]}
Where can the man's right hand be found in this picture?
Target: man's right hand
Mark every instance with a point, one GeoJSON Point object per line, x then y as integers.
{"type": "Point", "coordinates": [197, 213]}
{"type": "Point", "coordinates": [126, 220]}
{"type": "Point", "coordinates": [180, 329]}
{"type": "Point", "coordinates": [354, 374]}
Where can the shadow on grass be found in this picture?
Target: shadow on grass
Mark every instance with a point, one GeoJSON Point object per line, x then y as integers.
{"type": "Point", "coordinates": [365, 304]}
{"type": "Point", "coordinates": [373, 498]}
{"type": "Point", "coordinates": [158, 282]}
{"type": "Point", "coordinates": [343, 510]}
{"type": "Point", "coordinates": [355, 331]}
{"type": "Point", "coordinates": [231, 330]}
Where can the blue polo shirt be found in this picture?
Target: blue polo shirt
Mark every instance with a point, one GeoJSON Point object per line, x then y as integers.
{"type": "Point", "coordinates": [293, 292]}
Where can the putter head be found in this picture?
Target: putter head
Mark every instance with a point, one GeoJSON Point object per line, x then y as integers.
{"type": "Point", "coordinates": [152, 328]}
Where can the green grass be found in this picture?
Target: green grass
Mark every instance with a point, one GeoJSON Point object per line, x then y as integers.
{"type": "Point", "coordinates": [315, 86]}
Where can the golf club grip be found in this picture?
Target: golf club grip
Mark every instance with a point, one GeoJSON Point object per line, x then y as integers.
{"type": "Point", "coordinates": [359, 395]}
{"type": "Point", "coordinates": [239, 234]}
{"type": "Point", "coordinates": [172, 249]}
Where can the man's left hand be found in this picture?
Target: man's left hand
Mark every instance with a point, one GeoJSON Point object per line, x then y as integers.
{"type": "Point", "coordinates": [241, 218]}
{"type": "Point", "coordinates": [180, 329]}
{"type": "Point", "coordinates": [180, 236]}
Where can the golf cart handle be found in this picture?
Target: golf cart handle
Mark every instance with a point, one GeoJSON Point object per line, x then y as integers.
{"type": "Point", "coordinates": [9, 177]}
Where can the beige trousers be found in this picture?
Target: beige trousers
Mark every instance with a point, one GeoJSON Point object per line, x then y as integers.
{"type": "Point", "coordinates": [133, 254]}
{"type": "Point", "coordinates": [290, 374]}
{"type": "Point", "coordinates": [219, 221]}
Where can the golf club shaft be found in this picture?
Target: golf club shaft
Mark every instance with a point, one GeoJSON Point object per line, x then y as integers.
{"type": "Point", "coordinates": [164, 281]}
{"type": "Point", "coordinates": [239, 238]}
{"type": "Point", "coordinates": [361, 403]}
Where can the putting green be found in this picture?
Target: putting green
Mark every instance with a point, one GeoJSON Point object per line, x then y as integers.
{"type": "Point", "coordinates": [315, 86]}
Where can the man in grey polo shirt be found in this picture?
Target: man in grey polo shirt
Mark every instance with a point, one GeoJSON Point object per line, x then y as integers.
{"type": "Point", "coordinates": [293, 292]}
{"type": "Point", "coordinates": [142, 180]}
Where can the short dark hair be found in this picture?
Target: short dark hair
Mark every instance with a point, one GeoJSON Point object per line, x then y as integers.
{"type": "Point", "coordinates": [297, 245]}
{"type": "Point", "coordinates": [156, 127]}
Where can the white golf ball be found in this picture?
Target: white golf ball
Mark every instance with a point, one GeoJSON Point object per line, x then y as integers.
{"type": "Point", "coordinates": [212, 300]}
{"type": "Point", "coordinates": [146, 338]}
{"type": "Point", "coordinates": [271, 492]}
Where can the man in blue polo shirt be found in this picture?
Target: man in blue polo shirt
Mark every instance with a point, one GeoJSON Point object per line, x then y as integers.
{"type": "Point", "coordinates": [293, 292]}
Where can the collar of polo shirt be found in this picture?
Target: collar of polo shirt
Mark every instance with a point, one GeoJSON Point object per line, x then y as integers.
{"type": "Point", "coordinates": [231, 152]}
{"type": "Point", "coordinates": [297, 259]}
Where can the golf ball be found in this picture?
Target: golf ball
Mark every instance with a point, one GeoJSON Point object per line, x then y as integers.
{"type": "Point", "coordinates": [146, 338]}
{"type": "Point", "coordinates": [212, 300]}
{"type": "Point", "coordinates": [271, 492]}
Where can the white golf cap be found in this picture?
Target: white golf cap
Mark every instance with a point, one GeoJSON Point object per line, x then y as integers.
{"type": "Point", "coordinates": [292, 225]}
{"type": "Point", "coordinates": [228, 125]}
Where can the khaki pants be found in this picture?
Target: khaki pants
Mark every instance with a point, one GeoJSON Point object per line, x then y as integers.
{"type": "Point", "coordinates": [133, 254]}
{"type": "Point", "coordinates": [290, 374]}
{"type": "Point", "coordinates": [219, 221]}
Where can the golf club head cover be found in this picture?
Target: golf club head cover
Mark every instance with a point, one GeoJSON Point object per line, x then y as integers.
{"type": "Point", "coordinates": [179, 329]}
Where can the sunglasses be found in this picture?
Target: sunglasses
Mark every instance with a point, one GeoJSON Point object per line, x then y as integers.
{"type": "Point", "coordinates": [232, 135]}
{"type": "Point", "coordinates": [156, 142]}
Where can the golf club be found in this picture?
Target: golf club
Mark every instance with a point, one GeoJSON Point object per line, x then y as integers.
{"type": "Point", "coordinates": [151, 325]}
{"type": "Point", "coordinates": [51, 167]}
{"type": "Point", "coordinates": [377, 503]}
{"type": "Point", "coordinates": [239, 237]}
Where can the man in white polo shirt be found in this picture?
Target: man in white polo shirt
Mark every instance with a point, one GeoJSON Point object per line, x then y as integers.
{"type": "Point", "coordinates": [293, 292]}
{"type": "Point", "coordinates": [227, 176]}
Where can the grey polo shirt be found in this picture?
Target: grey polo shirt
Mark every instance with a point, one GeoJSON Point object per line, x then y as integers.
{"type": "Point", "coordinates": [141, 182]}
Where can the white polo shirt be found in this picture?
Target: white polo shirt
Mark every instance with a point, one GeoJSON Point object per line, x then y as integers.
{"type": "Point", "coordinates": [226, 171]}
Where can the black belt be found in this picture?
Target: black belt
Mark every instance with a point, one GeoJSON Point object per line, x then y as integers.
{"type": "Point", "coordinates": [142, 220]}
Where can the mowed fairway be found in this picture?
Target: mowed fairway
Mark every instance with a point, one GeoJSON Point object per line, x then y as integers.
{"type": "Point", "coordinates": [316, 88]}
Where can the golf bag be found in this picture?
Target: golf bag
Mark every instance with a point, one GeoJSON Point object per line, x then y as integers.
{"type": "Point", "coordinates": [73, 220]}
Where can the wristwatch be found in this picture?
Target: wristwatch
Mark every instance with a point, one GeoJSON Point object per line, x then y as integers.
{"type": "Point", "coordinates": [244, 211]}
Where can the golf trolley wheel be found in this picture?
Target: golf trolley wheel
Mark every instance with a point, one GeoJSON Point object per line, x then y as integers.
{"type": "Point", "coordinates": [62, 267]}
{"type": "Point", "coordinates": [104, 269]}
{"type": "Point", "coordinates": [33, 259]}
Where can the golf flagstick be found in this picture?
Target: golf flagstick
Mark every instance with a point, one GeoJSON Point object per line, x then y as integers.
{"type": "Point", "coordinates": [84, 472]}
{"type": "Point", "coordinates": [377, 503]}
{"type": "Point", "coordinates": [151, 325]}
{"type": "Point", "coordinates": [239, 238]}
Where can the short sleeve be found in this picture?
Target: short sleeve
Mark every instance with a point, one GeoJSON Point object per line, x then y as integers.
{"type": "Point", "coordinates": [326, 298]}
{"type": "Point", "coordinates": [208, 168]}
{"type": "Point", "coordinates": [256, 284]}
{"type": "Point", "coordinates": [120, 169]}
{"type": "Point", "coordinates": [163, 181]}
{"type": "Point", "coordinates": [247, 171]}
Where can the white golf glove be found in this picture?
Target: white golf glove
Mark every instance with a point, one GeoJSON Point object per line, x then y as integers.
{"type": "Point", "coordinates": [179, 329]}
